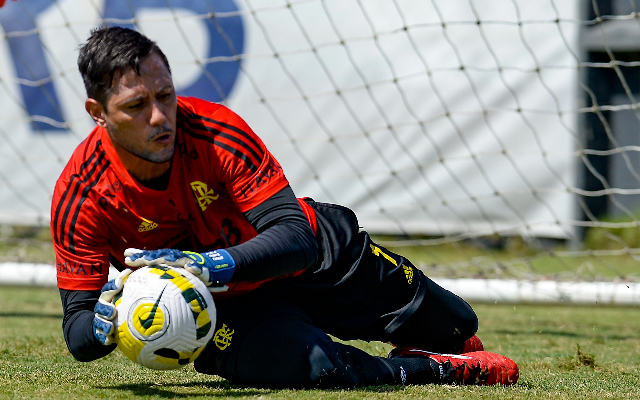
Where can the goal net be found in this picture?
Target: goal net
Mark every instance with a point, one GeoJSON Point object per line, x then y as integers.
{"type": "Point", "coordinates": [494, 139]}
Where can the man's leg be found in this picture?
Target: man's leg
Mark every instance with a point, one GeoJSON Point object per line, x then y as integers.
{"type": "Point", "coordinates": [372, 293]}
{"type": "Point", "coordinates": [284, 350]}
{"type": "Point", "coordinates": [273, 344]}
{"type": "Point", "coordinates": [381, 296]}
{"type": "Point", "coordinates": [442, 322]}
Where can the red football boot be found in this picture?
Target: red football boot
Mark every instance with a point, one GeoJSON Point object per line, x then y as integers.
{"type": "Point", "coordinates": [475, 368]}
{"type": "Point", "coordinates": [472, 344]}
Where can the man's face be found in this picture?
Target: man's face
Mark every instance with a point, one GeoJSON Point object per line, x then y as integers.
{"type": "Point", "coordinates": [140, 112]}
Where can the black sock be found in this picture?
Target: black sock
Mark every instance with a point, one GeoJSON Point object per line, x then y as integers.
{"type": "Point", "coordinates": [416, 370]}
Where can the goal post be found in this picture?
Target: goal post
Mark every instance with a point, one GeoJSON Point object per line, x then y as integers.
{"type": "Point", "coordinates": [494, 139]}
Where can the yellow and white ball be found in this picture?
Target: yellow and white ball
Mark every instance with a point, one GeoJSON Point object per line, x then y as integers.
{"type": "Point", "coordinates": [165, 317]}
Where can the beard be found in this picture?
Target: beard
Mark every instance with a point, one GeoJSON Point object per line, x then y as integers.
{"type": "Point", "coordinates": [144, 150]}
{"type": "Point", "coordinates": [158, 157]}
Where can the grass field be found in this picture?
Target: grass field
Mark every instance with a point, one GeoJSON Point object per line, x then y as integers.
{"type": "Point", "coordinates": [563, 353]}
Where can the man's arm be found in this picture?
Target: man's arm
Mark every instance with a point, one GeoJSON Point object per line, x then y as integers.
{"type": "Point", "coordinates": [77, 325]}
{"type": "Point", "coordinates": [285, 242]}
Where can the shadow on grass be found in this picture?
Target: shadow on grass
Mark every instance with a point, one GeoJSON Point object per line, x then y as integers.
{"type": "Point", "coordinates": [165, 390]}
{"type": "Point", "coordinates": [221, 389]}
{"type": "Point", "coordinates": [29, 315]}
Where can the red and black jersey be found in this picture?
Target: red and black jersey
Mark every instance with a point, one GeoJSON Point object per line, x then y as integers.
{"type": "Point", "coordinates": [220, 170]}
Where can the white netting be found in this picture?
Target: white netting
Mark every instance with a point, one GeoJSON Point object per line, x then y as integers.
{"type": "Point", "coordinates": [464, 126]}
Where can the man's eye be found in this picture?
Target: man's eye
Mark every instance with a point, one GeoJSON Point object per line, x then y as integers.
{"type": "Point", "coordinates": [134, 106]}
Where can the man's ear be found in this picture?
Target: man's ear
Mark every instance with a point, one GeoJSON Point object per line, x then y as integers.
{"type": "Point", "coordinates": [96, 111]}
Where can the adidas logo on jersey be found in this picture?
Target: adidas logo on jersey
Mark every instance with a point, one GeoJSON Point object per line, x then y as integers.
{"type": "Point", "coordinates": [147, 225]}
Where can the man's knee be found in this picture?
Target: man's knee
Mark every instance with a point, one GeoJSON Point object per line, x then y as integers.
{"type": "Point", "coordinates": [299, 360]}
{"type": "Point", "coordinates": [467, 325]}
{"type": "Point", "coordinates": [283, 353]}
{"type": "Point", "coordinates": [441, 323]}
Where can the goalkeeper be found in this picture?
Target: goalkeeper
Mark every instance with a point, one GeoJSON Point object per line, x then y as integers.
{"type": "Point", "coordinates": [181, 181]}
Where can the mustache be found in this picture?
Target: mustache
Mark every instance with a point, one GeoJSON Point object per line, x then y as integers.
{"type": "Point", "coordinates": [160, 131]}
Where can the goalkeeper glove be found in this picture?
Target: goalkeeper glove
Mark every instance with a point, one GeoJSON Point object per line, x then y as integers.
{"type": "Point", "coordinates": [212, 267]}
{"type": "Point", "coordinates": [105, 311]}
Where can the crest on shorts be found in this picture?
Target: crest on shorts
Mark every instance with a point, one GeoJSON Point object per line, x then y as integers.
{"type": "Point", "coordinates": [222, 337]}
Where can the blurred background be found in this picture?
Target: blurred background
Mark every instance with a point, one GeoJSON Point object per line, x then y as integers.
{"type": "Point", "coordinates": [488, 141]}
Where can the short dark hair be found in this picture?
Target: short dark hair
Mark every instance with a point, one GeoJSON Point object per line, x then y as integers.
{"type": "Point", "coordinates": [111, 49]}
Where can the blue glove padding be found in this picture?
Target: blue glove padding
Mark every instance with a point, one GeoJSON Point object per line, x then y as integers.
{"type": "Point", "coordinates": [213, 267]}
{"type": "Point", "coordinates": [105, 310]}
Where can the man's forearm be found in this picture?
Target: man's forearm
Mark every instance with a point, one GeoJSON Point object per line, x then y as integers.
{"type": "Point", "coordinates": [285, 242]}
{"type": "Point", "coordinates": [77, 325]}
{"type": "Point", "coordinates": [280, 250]}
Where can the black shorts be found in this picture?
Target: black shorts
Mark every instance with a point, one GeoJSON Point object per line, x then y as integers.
{"type": "Point", "coordinates": [366, 294]}
{"type": "Point", "coordinates": [360, 291]}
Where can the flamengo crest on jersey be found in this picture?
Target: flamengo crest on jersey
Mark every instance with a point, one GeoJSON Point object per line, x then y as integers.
{"type": "Point", "coordinates": [204, 195]}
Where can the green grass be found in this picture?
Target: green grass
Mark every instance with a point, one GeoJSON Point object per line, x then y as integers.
{"type": "Point", "coordinates": [563, 353]}
{"type": "Point", "coordinates": [26, 244]}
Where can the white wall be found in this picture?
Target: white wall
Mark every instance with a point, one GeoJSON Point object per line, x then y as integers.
{"type": "Point", "coordinates": [448, 126]}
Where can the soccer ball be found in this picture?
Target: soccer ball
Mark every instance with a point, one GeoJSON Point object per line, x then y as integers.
{"type": "Point", "coordinates": [165, 317]}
